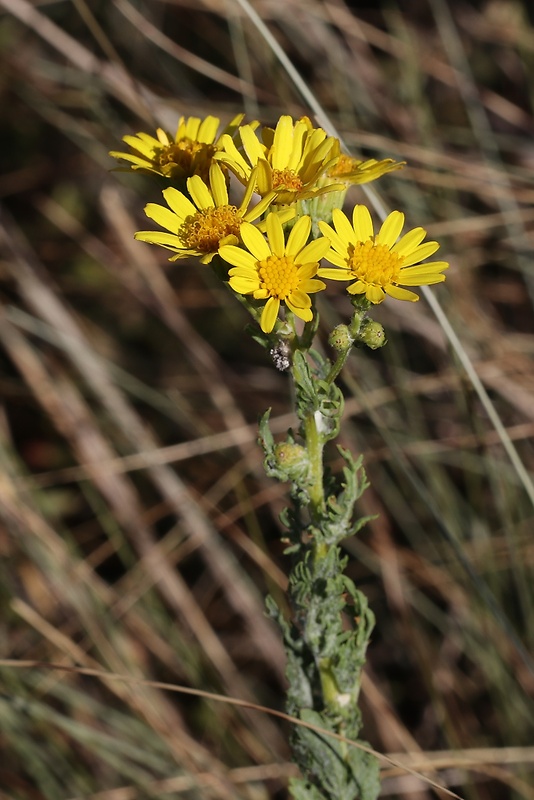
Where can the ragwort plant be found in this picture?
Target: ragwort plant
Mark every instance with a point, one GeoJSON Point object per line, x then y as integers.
{"type": "Point", "coordinates": [271, 253]}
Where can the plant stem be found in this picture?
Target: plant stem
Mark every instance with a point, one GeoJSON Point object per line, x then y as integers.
{"type": "Point", "coordinates": [315, 446]}
{"type": "Point", "coordinates": [338, 365]}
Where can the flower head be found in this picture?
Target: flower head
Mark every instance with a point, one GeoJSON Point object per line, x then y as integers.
{"type": "Point", "coordinates": [189, 152]}
{"type": "Point", "coordinates": [290, 160]}
{"type": "Point", "coordinates": [379, 265]}
{"type": "Point", "coordinates": [350, 170]}
{"type": "Point", "coordinates": [199, 226]}
{"type": "Point", "coordinates": [275, 270]}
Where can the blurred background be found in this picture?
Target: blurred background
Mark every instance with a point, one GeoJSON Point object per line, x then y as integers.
{"type": "Point", "coordinates": [138, 535]}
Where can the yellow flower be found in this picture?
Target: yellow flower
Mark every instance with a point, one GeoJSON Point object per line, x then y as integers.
{"type": "Point", "coordinates": [290, 160]}
{"type": "Point", "coordinates": [275, 270]}
{"type": "Point", "coordinates": [378, 264]}
{"type": "Point", "coordinates": [189, 153]}
{"type": "Point", "coordinates": [199, 227]}
{"type": "Point", "coordinates": [351, 170]}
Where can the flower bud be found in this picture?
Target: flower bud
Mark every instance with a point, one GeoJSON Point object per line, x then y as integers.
{"type": "Point", "coordinates": [372, 334]}
{"type": "Point", "coordinates": [292, 459]}
{"type": "Point", "coordinates": [340, 338]}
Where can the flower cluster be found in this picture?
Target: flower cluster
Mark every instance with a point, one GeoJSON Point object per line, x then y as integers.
{"type": "Point", "coordinates": [267, 240]}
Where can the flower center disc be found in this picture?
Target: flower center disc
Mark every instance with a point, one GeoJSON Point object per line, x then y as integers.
{"type": "Point", "coordinates": [278, 275]}
{"type": "Point", "coordinates": [287, 179]}
{"type": "Point", "coordinates": [191, 158]}
{"type": "Point", "coordinates": [345, 166]}
{"type": "Point", "coordinates": [374, 263]}
{"type": "Point", "coordinates": [204, 230]}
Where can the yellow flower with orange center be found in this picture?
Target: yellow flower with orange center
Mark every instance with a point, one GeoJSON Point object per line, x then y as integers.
{"type": "Point", "coordinates": [199, 226]}
{"type": "Point", "coordinates": [190, 152]}
{"type": "Point", "coordinates": [379, 265]}
{"type": "Point", "coordinates": [352, 170]}
{"type": "Point", "coordinates": [275, 270]}
{"type": "Point", "coordinates": [290, 160]}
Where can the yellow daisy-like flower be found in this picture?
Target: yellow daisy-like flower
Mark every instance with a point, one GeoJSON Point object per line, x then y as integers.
{"type": "Point", "coordinates": [351, 170]}
{"type": "Point", "coordinates": [290, 161]}
{"type": "Point", "coordinates": [379, 264]}
{"type": "Point", "coordinates": [190, 152]}
{"type": "Point", "coordinates": [273, 270]}
{"type": "Point", "coordinates": [199, 227]}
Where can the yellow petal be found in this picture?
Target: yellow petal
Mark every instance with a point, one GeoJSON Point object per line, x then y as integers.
{"type": "Point", "coordinates": [243, 285]}
{"type": "Point", "coordinates": [251, 145]}
{"type": "Point", "coordinates": [312, 286]}
{"type": "Point", "coordinates": [283, 143]}
{"type": "Point", "coordinates": [237, 256]}
{"type": "Point", "coordinates": [192, 126]}
{"type": "Point", "coordinates": [233, 158]}
{"type": "Point", "coordinates": [298, 237]}
{"type": "Point", "coordinates": [420, 253]}
{"type": "Point", "coordinates": [425, 279]}
{"type": "Point", "coordinates": [409, 242]}
{"type": "Point", "coordinates": [163, 217]}
{"type": "Point", "coordinates": [374, 293]}
{"type": "Point", "coordinates": [137, 160]}
{"type": "Point", "coordinates": [168, 240]}
{"type": "Point", "coordinates": [269, 314]}
{"type": "Point", "coordinates": [163, 137]}
{"type": "Point", "coordinates": [200, 194]}
{"type": "Point", "coordinates": [208, 130]}
{"type": "Point", "coordinates": [335, 240]}
{"type": "Point", "coordinates": [335, 274]}
{"type": "Point", "coordinates": [249, 191]}
{"type": "Point", "coordinates": [299, 299]}
{"type": "Point", "coordinates": [314, 251]}
{"type": "Point", "coordinates": [233, 125]}
{"type": "Point", "coordinates": [257, 210]}
{"type": "Point", "coordinates": [304, 313]}
{"type": "Point", "coordinates": [248, 271]}
{"type": "Point", "coordinates": [306, 271]}
{"type": "Point", "coordinates": [180, 130]}
{"type": "Point", "coordinates": [218, 185]}
{"type": "Point", "coordinates": [363, 224]}
{"type": "Point", "coordinates": [254, 241]}
{"type": "Point", "coordinates": [359, 287]}
{"type": "Point", "coordinates": [344, 229]}
{"type": "Point", "coordinates": [145, 145]}
{"type": "Point", "coordinates": [297, 146]}
{"type": "Point", "coordinates": [390, 229]}
{"type": "Point", "coordinates": [206, 258]}
{"type": "Point", "coordinates": [401, 294]}
{"type": "Point", "coordinates": [179, 203]}
{"type": "Point", "coordinates": [264, 178]}
{"type": "Point", "coordinates": [275, 235]}
{"type": "Point", "coordinates": [336, 259]}
{"type": "Point", "coordinates": [184, 254]}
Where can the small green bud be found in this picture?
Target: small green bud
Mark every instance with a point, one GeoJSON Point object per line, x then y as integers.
{"type": "Point", "coordinates": [292, 459]}
{"type": "Point", "coordinates": [372, 334]}
{"type": "Point", "coordinates": [340, 338]}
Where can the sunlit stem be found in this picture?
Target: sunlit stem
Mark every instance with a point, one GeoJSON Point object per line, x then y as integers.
{"type": "Point", "coordinates": [315, 446]}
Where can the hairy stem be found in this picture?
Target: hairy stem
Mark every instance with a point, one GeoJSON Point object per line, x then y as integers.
{"type": "Point", "coordinates": [315, 446]}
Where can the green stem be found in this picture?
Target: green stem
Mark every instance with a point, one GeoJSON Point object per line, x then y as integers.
{"type": "Point", "coordinates": [338, 365]}
{"type": "Point", "coordinates": [314, 446]}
